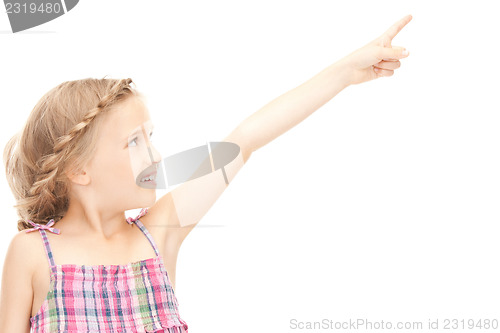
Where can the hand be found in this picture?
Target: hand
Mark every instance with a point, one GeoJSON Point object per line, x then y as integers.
{"type": "Point", "coordinates": [377, 58]}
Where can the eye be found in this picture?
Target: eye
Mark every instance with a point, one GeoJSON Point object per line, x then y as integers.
{"type": "Point", "coordinates": [133, 140]}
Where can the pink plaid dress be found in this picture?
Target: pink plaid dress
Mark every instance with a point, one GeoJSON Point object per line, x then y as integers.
{"type": "Point", "coordinates": [136, 297]}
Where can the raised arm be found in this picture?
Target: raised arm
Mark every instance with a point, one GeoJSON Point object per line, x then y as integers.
{"type": "Point", "coordinates": [376, 59]}
{"type": "Point", "coordinates": [184, 206]}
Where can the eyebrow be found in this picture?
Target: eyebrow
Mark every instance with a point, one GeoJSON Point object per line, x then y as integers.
{"type": "Point", "coordinates": [136, 132]}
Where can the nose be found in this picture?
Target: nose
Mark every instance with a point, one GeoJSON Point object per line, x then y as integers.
{"type": "Point", "coordinates": [156, 154]}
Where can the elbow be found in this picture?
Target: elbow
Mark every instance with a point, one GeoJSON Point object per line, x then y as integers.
{"type": "Point", "coordinates": [238, 138]}
{"type": "Point", "coordinates": [245, 153]}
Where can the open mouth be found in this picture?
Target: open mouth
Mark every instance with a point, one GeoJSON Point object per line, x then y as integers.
{"type": "Point", "coordinates": [150, 178]}
{"type": "Point", "coordinates": [147, 178]}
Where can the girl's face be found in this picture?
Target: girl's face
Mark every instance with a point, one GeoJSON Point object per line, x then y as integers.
{"type": "Point", "coordinates": [124, 151]}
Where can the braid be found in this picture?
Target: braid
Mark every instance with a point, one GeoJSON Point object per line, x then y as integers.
{"type": "Point", "coordinates": [115, 94]}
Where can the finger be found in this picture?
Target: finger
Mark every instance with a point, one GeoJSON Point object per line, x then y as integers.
{"type": "Point", "coordinates": [394, 30]}
{"type": "Point", "coordinates": [383, 72]}
{"type": "Point", "coordinates": [392, 53]}
{"type": "Point", "coordinates": [388, 64]}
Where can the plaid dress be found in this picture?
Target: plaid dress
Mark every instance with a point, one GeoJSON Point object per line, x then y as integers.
{"type": "Point", "coordinates": [136, 297]}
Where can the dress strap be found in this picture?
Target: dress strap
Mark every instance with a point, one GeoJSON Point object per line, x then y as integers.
{"type": "Point", "coordinates": [42, 228]}
{"type": "Point", "coordinates": [141, 226]}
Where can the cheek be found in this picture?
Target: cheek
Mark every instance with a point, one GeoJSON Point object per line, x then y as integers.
{"type": "Point", "coordinates": [116, 171]}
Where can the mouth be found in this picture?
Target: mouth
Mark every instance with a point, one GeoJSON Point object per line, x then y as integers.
{"type": "Point", "coordinates": [147, 178]}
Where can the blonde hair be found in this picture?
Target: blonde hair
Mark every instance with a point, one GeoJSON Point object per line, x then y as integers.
{"type": "Point", "coordinates": [59, 136]}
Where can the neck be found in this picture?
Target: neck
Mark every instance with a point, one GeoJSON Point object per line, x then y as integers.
{"type": "Point", "coordinates": [93, 220]}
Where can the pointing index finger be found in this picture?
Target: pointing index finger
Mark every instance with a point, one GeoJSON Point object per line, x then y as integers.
{"type": "Point", "coordinates": [395, 29]}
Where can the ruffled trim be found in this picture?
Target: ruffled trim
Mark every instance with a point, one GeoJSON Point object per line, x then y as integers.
{"type": "Point", "coordinates": [174, 325]}
{"type": "Point", "coordinates": [173, 329]}
{"type": "Point", "coordinates": [155, 327]}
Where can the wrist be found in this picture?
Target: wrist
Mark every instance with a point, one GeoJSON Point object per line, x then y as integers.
{"type": "Point", "coordinates": [343, 72]}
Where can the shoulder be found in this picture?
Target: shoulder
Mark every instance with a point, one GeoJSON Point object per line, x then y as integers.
{"type": "Point", "coordinates": [22, 251]}
{"type": "Point", "coordinates": [23, 242]}
{"type": "Point", "coordinates": [21, 261]}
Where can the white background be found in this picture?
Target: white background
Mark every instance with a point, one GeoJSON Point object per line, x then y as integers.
{"type": "Point", "coordinates": [382, 205]}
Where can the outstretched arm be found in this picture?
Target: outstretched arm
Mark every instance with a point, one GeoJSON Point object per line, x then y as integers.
{"type": "Point", "coordinates": [184, 206]}
{"type": "Point", "coordinates": [376, 59]}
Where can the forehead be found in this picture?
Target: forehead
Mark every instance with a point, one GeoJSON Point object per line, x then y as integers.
{"type": "Point", "coordinates": [125, 117]}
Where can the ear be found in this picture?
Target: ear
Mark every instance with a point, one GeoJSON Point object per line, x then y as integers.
{"type": "Point", "coordinates": [80, 177]}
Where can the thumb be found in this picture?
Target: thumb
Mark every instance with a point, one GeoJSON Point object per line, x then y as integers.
{"type": "Point", "coordinates": [395, 52]}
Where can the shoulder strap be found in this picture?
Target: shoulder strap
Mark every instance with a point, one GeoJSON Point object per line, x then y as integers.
{"type": "Point", "coordinates": [48, 249]}
{"type": "Point", "coordinates": [148, 235]}
{"type": "Point", "coordinates": [144, 229]}
{"type": "Point", "coordinates": [46, 244]}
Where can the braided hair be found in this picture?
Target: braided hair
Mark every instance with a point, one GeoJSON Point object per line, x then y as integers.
{"type": "Point", "coordinates": [58, 137]}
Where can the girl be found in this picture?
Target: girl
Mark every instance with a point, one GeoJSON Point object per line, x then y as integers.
{"type": "Point", "coordinates": [69, 171]}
